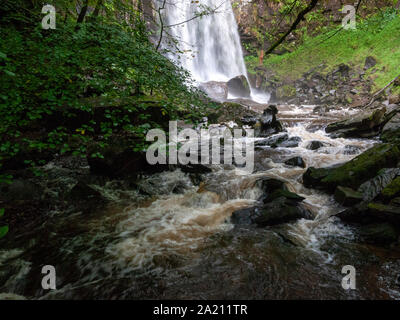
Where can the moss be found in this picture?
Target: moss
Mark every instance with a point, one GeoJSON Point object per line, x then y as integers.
{"type": "Point", "coordinates": [286, 91]}
{"type": "Point", "coordinates": [392, 190]}
{"type": "Point", "coordinates": [345, 47]}
{"type": "Point", "coordinates": [355, 172]}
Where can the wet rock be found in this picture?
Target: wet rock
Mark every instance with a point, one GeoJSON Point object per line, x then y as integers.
{"type": "Point", "coordinates": [392, 190]}
{"type": "Point", "coordinates": [292, 142]}
{"type": "Point", "coordinates": [385, 212]}
{"type": "Point", "coordinates": [273, 141]}
{"type": "Point", "coordinates": [347, 196]}
{"type": "Point", "coordinates": [245, 216]}
{"type": "Point", "coordinates": [391, 130]}
{"type": "Point", "coordinates": [296, 162]}
{"type": "Point", "coordinates": [373, 187]}
{"type": "Point", "coordinates": [84, 192]}
{"type": "Point", "coordinates": [20, 189]}
{"type": "Point", "coordinates": [350, 150]}
{"type": "Point", "coordinates": [268, 123]}
{"type": "Point", "coordinates": [281, 210]}
{"type": "Point", "coordinates": [315, 145]}
{"type": "Point", "coordinates": [355, 172]}
{"type": "Point", "coordinates": [365, 125]}
{"type": "Point", "coordinates": [279, 206]}
{"type": "Point", "coordinates": [215, 90]}
{"type": "Point", "coordinates": [378, 234]}
{"type": "Point", "coordinates": [239, 87]}
{"type": "Point", "coordinates": [370, 62]}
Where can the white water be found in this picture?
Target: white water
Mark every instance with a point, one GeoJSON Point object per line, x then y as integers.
{"type": "Point", "coordinates": [210, 45]}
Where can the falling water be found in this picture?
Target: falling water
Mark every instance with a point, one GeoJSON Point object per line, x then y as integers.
{"type": "Point", "coordinates": [210, 44]}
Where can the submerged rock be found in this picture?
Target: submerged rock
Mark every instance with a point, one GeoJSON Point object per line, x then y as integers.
{"type": "Point", "coordinates": [239, 86]}
{"type": "Point", "coordinates": [296, 162]}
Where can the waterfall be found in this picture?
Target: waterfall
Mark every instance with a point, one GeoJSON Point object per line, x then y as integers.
{"type": "Point", "coordinates": [209, 45]}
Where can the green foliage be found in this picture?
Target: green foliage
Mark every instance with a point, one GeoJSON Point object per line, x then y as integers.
{"type": "Point", "coordinates": [377, 36]}
{"type": "Point", "coordinates": [53, 84]}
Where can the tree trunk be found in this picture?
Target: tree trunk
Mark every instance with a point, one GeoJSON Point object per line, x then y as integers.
{"type": "Point", "coordinates": [84, 9]}
{"type": "Point", "coordinates": [299, 18]}
{"type": "Point", "coordinates": [99, 5]}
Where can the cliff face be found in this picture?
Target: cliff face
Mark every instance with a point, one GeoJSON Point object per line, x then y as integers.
{"type": "Point", "coordinates": [261, 22]}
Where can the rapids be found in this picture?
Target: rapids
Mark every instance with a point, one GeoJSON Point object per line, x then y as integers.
{"type": "Point", "coordinates": [177, 240]}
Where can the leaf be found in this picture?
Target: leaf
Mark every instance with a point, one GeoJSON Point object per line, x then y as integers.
{"type": "Point", "coordinates": [2, 212]}
{"type": "Point", "coordinates": [3, 231]}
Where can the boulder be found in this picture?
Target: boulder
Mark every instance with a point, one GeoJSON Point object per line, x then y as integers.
{"type": "Point", "coordinates": [273, 141]}
{"type": "Point", "coordinates": [283, 209]}
{"type": "Point", "coordinates": [279, 206]}
{"type": "Point", "coordinates": [373, 187]}
{"type": "Point", "coordinates": [239, 87]}
{"type": "Point", "coordinates": [380, 234]}
{"type": "Point", "coordinates": [292, 142]}
{"type": "Point", "coordinates": [296, 162]}
{"type": "Point", "coordinates": [391, 130]}
{"type": "Point", "coordinates": [350, 150]}
{"type": "Point", "coordinates": [347, 196]}
{"type": "Point", "coordinates": [20, 189]}
{"type": "Point", "coordinates": [215, 90]}
{"type": "Point", "coordinates": [315, 145]}
{"type": "Point", "coordinates": [392, 190]}
{"type": "Point", "coordinates": [365, 125]}
{"type": "Point", "coordinates": [268, 123]}
{"type": "Point", "coordinates": [355, 172]}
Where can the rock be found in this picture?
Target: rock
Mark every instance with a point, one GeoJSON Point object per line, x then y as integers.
{"type": "Point", "coordinates": [315, 145]}
{"type": "Point", "coordinates": [365, 125]}
{"type": "Point", "coordinates": [245, 216]}
{"type": "Point", "coordinates": [85, 192]}
{"type": "Point", "coordinates": [350, 150]}
{"type": "Point", "coordinates": [373, 187]}
{"type": "Point", "coordinates": [119, 160]}
{"type": "Point", "coordinates": [391, 130]}
{"type": "Point", "coordinates": [268, 123]}
{"type": "Point", "coordinates": [279, 206]}
{"type": "Point", "coordinates": [281, 210]}
{"type": "Point", "coordinates": [369, 63]}
{"type": "Point", "coordinates": [392, 190]}
{"type": "Point", "coordinates": [296, 162]}
{"type": "Point", "coordinates": [347, 196]}
{"type": "Point", "coordinates": [394, 99]}
{"type": "Point", "coordinates": [239, 87]}
{"type": "Point", "coordinates": [384, 212]}
{"type": "Point", "coordinates": [215, 90]}
{"type": "Point", "coordinates": [378, 234]}
{"type": "Point", "coordinates": [20, 190]}
{"type": "Point", "coordinates": [290, 143]}
{"type": "Point", "coordinates": [355, 172]}
{"type": "Point", "coordinates": [273, 141]}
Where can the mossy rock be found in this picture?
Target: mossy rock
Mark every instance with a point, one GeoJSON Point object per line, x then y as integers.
{"type": "Point", "coordinates": [355, 172]}
{"type": "Point", "coordinates": [392, 190]}
{"type": "Point", "coordinates": [347, 196]}
{"type": "Point", "coordinates": [285, 92]}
